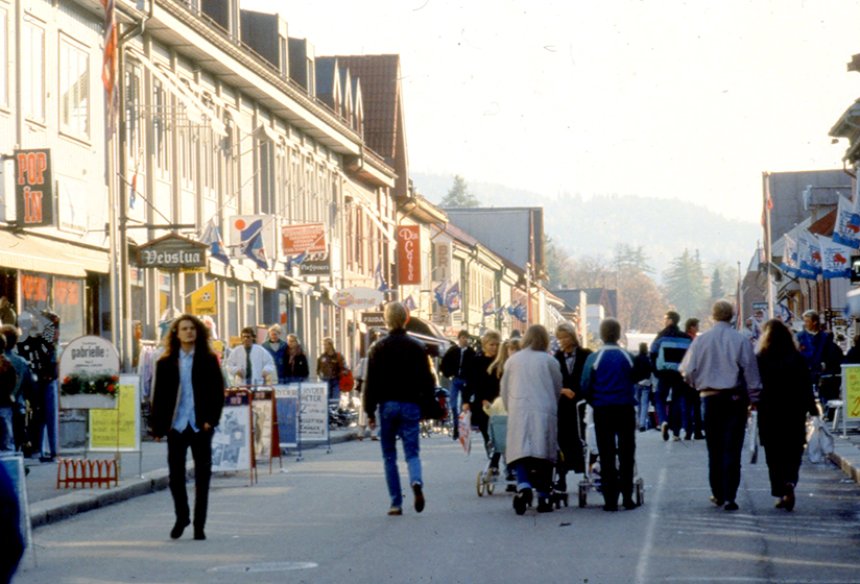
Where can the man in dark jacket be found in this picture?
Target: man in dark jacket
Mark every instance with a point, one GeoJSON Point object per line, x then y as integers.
{"type": "Point", "coordinates": [398, 379]}
{"type": "Point", "coordinates": [456, 364]}
{"type": "Point", "coordinates": [667, 351]}
{"type": "Point", "coordinates": [823, 356]}
{"type": "Point", "coordinates": [186, 406]}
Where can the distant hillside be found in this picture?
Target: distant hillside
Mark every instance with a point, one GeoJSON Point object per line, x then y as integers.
{"type": "Point", "coordinates": [594, 226]}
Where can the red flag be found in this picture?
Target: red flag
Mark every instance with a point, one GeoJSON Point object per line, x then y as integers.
{"type": "Point", "coordinates": [109, 60]}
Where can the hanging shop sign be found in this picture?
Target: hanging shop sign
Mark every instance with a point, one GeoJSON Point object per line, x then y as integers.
{"type": "Point", "coordinates": [316, 264]}
{"type": "Point", "coordinates": [34, 188]}
{"type": "Point", "coordinates": [408, 254]}
{"type": "Point", "coordinates": [358, 297]}
{"type": "Point", "coordinates": [376, 319]}
{"type": "Point", "coordinates": [172, 252]}
{"type": "Point", "coordinates": [304, 238]}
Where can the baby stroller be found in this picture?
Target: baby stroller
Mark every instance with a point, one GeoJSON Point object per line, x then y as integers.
{"type": "Point", "coordinates": [487, 478]}
{"type": "Point", "coordinates": [591, 477]}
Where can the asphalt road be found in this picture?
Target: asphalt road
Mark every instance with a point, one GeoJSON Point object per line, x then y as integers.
{"type": "Point", "coordinates": [324, 520]}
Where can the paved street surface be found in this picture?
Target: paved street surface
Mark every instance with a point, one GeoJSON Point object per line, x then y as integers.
{"type": "Point", "coordinates": [324, 520]}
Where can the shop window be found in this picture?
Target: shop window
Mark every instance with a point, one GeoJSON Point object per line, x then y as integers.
{"type": "Point", "coordinates": [74, 73]}
{"type": "Point", "coordinates": [68, 304]}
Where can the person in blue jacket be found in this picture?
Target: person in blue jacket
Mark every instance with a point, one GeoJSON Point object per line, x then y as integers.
{"type": "Point", "coordinates": [607, 384]}
{"type": "Point", "coordinates": [667, 351]}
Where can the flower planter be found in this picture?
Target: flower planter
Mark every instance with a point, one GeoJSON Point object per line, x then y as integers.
{"type": "Point", "coordinates": [87, 401]}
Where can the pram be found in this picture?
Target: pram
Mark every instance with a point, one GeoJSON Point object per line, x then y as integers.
{"type": "Point", "coordinates": [487, 478]}
{"type": "Point", "coordinates": [441, 426]}
{"type": "Point", "coordinates": [591, 477]}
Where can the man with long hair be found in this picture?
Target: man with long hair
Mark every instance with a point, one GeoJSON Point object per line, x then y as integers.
{"type": "Point", "coordinates": [186, 406]}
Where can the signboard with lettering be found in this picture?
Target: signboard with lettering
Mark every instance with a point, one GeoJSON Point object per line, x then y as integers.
{"type": "Point", "coordinates": [89, 374]}
{"type": "Point", "coordinates": [358, 297]}
{"type": "Point", "coordinates": [298, 239]}
{"type": "Point", "coordinates": [172, 252]}
{"type": "Point", "coordinates": [34, 188]}
{"type": "Point", "coordinates": [408, 254]}
{"type": "Point", "coordinates": [316, 264]}
{"type": "Point", "coordinates": [373, 319]}
{"type": "Point", "coordinates": [851, 392]}
{"type": "Point", "coordinates": [305, 406]}
{"type": "Point", "coordinates": [231, 440]}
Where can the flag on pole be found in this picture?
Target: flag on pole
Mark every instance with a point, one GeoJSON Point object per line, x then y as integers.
{"type": "Point", "coordinates": [835, 259]}
{"type": "Point", "coordinates": [790, 264]}
{"type": "Point", "coordinates": [204, 300]}
{"type": "Point", "coordinates": [846, 231]}
{"type": "Point", "coordinates": [212, 237]}
{"type": "Point", "coordinates": [439, 292]}
{"type": "Point", "coordinates": [452, 298]}
{"type": "Point", "coordinates": [489, 307]}
{"type": "Point", "coordinates": [379, 279]}
{"type": "Point", "coordinates": [520, 312]}
{"type": "Point", "coordinates": [409, 303]}
{"type": "Point", "coordinates": [251, 244]}
{"type": "Point", "coordinates": [109, 62]}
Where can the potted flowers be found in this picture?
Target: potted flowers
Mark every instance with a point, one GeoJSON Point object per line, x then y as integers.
{"type": "Point", "coordinates": [89, 390]}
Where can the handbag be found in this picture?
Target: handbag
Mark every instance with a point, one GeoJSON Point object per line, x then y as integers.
{"type": "Point", "coordinates": [819, 441]}
{"type": "Point", "coordinates": [346, 381]}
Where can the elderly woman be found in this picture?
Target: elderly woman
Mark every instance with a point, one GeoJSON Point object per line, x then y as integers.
{"type": "Point", "coordinates": [530, 389]}
{"type": "Point", "coordinates": [277, 348]}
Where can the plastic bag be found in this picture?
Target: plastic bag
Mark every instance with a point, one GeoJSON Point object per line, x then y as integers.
{"type": "Point", "coordinates": [819, 441]}
{"type": "Point", "coordinates": [465, 430]}
{"type": "Point", "coordinates": [752, 436]}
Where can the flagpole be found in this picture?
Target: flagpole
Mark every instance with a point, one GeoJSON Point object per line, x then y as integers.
{"type": "Point", "coordinates": [768, 255]}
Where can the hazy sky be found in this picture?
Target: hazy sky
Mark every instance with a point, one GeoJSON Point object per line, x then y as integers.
{"type": "Point", "coordinates": [689, 100]}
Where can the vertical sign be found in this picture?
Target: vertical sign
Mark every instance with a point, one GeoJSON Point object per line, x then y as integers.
{"type": "Point", "coordinates": [408, 254]}
{"type": "Point", "coordinates": [34, 188]}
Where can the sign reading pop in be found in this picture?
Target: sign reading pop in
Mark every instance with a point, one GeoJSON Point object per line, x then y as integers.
{"type": "Point", "coordinates": [34, 188]}
{"type": "Point", "coordinates": [408, 254]}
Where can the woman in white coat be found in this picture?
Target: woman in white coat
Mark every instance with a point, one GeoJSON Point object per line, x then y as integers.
{"type": "Point", "coordinates": [530, 388]}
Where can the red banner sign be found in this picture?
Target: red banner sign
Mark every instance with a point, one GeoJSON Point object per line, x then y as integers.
{"type": "Point", "coordinates": [408, 254]}
{"type": "Point", "coordinates": [34, 190]}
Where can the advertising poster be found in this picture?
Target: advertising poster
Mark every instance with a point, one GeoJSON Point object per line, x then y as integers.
{"type": "Point", "coordinates": [313, 413]}
{"type": "Point", "coordinates": [263, 412]}
{"type": "Point", "coordinates": [851, 391]}
{"type": "Point", "coordinates": [118, 430]}
{"type": "Point", "coordinates": [231, 443]}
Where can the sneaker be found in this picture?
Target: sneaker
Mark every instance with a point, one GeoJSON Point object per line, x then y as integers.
{"type": "Point", "coordinates": [664, 430]}
{"type": "Point", "coordinates": [419, 497]}
{"type": "Point", "coordinates": [731, 506]}
{"type": "Point", "coordinates": [395, 510]}
{"type": "Point", "coordinates": [522, 499]}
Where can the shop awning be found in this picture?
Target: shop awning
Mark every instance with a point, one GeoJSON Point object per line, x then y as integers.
{"type": "Point", "coordinates": [36, 254]}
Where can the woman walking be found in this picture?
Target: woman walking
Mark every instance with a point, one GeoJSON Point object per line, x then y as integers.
{"type": "Point", "coordinates": [571, 358]}
{"type": "Point", "coordinates": [482, 387]}
{"type": "Point", "coordinates": [786, 397]}
{"type": "Point", "coordinates": [296, 363]}
{"type": "Point", "coordinates": [530, 388]}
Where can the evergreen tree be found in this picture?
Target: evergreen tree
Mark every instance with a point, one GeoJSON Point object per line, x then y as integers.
{"type": "Point", "coordinates": [685, 285]}
{"type": "Point", "coordinates": [459, 195]}
{"type": "Point", "coordinates": [717, 290]}
{"type": "Point", "coordinates": [629, 258]}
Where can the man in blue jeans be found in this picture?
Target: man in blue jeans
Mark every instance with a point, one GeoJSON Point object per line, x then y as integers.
{"type": "Point", "coordinates": [398, 378]}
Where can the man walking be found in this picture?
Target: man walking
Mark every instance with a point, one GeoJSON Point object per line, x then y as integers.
{"type": "Point", "coordinates": [667, 350]}
{"type": "Point", "coordinates": [398, 378]}
{"type": "Point", "coordinates": [456, 365]}
{"type": "Point", "coordinates": [186, 406]}
{"type": "Point", "coordinates": [822, 355]}
{"type": "Point", "coordinates": [250, 364]}
{"type": "Point", "coordinates": [721, 365]}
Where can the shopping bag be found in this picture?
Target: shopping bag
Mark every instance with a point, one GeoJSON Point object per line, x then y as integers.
{"type": "Point", "coordinates": [819, 441]}
{"type": "Point", "coordinates": [464, 427]}
{"type": "Point", "coordinates": [752, 436]}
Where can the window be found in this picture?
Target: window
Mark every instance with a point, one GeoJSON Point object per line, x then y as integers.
{"type": "Point", "coordinates": [33, 71]}
{"type": "Point", "coordinates": [4, 61]}
{"type": "Point", "coordinates": [68, 303]}
{"type": "Point", "coordinates": [159, 125]}
{"type": "Point", "coordinates": [267, 178]}
{"type": "Point", "coordinates": [250, 306]}
{"type": "Point", "coordinates": [74, 90]}
{"type": "Point", "coordinates": [232, 311]}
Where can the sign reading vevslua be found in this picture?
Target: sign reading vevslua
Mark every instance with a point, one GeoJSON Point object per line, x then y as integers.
{"type": "Point", "coordinates": [172, 251]}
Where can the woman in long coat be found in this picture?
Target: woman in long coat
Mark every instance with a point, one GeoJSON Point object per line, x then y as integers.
{"type": "Point", "coordinates": [530, 388]}
{"type": "Point", "coordinates": [786, 397]}
{"type": "Point", "coordinates": [481, 385]}
{"type": "Point", "coordinates": [571, 358]}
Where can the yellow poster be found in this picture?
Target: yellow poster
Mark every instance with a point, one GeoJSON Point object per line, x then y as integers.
{"type": "Point", "coordinates": [851, 381]}
{"type": "Point", "coordinates": [204, 301]}
{"type": "Point", "coordinates": [118, 429]}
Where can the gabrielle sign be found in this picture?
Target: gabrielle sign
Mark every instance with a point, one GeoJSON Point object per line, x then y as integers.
{"type": "Point", "coordinates": [358, 297]}
{"type": "Point", "coordinates": [408, 254]}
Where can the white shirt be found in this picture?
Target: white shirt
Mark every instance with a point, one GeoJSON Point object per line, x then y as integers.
{"type": "Point", "coordinates": [262, 364]}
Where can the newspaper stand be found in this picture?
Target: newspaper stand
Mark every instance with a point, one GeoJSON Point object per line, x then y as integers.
{"type": "Point", "coordinates": [233, 439]}
{"type": "Point", "coordinates": [265, 427]}
{"type": "Point", "coordinates": [303, 415]}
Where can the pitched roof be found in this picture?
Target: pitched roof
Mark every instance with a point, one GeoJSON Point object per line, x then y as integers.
{"type": "Point", "coordinates": [380, 88]}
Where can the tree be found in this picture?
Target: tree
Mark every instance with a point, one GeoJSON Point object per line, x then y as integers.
{"type": "Point", "coordinates": [641, 305]}
{"type": "Point", "coordinates": [627, 257]}
{"type": "Point", "coordinates": [685, 285]}
{"type": "Point", "coordinates": [717, 290]}
{"type": "Point", "coordinates": [556, 263]}
{"type": "Point", "coordinates": [459, 195]}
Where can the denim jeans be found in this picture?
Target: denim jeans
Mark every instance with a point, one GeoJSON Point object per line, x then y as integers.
{"type": "Point", "coordinates": [661, 401]}
{"type": "Point", "coordinates": [7, 440]}
{"type": "Point", "coordinates": [399, 419]}
{"type": "Point", "coordinates": [458, 385]}
{"type": "Point", "coordinates": [643, 397]}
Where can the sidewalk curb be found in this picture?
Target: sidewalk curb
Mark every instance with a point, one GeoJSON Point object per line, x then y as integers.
{"type": "Point", "coordinates": [847, 457]}
{"type": "Point", "coordinates": [74, 501]}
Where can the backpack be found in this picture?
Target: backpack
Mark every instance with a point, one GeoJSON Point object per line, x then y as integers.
{"type": "Point", "coordinates": [671, 353]}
